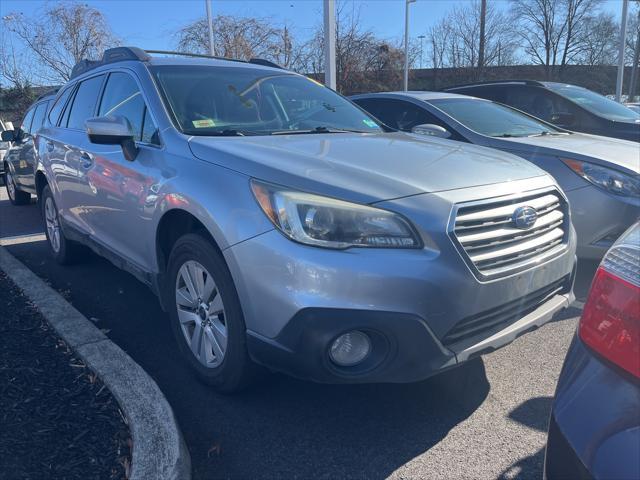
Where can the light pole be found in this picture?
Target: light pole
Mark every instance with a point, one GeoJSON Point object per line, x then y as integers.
{"type": "Point", "coordinates": [212, 50]}
{"type": "Point", "coordinates": [623, 40]}
{"type": "Point", "coordinates": [406, 44]}
{"type": "Point", "coordinates": [421, 37]}
{"type": "Point", "coordinates": [330, 43]}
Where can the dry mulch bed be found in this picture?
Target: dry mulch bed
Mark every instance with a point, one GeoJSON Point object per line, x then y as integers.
{"type": "Point", "coordinates": [57, 419]}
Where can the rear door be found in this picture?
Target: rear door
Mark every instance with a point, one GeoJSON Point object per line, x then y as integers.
{"type": "Point", "coordinates": [15, 156]}
{"type": "Point", "coordinates": [77, 157]}
{"type": "Point", "coordinates": [25, 169]}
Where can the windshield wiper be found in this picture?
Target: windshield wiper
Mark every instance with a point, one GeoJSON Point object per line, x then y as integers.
{"type": "Point", "coordinates": [546, 133]}
{"type": "Point", "coordinates": [508, 135]}
{"type": "Point", "coordinates": [320, 129]}
{"type": "Point", "coordinates": [228, 132]}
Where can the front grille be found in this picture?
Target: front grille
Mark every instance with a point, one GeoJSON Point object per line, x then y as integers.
{"type": "Point", "coordinates": [488, 236]}
{"type": "Point", "coordinates": [485, 324]}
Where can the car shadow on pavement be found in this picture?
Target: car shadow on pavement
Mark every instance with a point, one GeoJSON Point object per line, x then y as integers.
{"type": "Point", "coordinates": [533, 413]}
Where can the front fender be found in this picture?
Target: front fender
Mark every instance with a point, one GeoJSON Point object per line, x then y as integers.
{"type": "Point", "coordinates": [217, 197]}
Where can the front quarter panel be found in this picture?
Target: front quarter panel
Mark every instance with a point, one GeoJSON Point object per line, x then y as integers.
{"type": "Point", "coordinates": [219, 198]}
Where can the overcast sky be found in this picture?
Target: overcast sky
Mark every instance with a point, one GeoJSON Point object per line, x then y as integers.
{"type": "Point", "coordinates": [150, 23]}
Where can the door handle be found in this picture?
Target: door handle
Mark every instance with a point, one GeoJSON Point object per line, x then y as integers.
{"type": "Point", "coordinates": [50, 146]}
{"type": "Point", "coordinates": [87, 160]}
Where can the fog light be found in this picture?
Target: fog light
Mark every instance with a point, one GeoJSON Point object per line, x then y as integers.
{"type": "Point", "coordinates": [350, 348]}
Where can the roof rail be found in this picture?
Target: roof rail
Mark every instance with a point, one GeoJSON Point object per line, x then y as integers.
{"type": "Point", "coordinates": [47, 93]}
{"type": "Point", "coordinates": [195, 55]}
{"type": "Point", "coordinates": [119, 54]}
{"type": "Point", "coordinates": [256, 61]}
{"type": "Point", "coordinates": [110, 55]}
{"type": "Point", "coordinates": [266, 63]}
{"type": "Point", "coordinates": [493, 82]}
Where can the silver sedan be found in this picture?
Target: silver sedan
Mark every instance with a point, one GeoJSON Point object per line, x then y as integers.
{"type": "Point", "coordinates": [600, 175]}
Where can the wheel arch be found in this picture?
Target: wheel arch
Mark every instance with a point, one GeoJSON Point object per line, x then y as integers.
{"type": "Point", "coordinates": [41, 181]}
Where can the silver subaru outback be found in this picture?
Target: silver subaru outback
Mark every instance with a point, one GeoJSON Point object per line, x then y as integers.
{"type": "Point", "coordinates": [281, 225]}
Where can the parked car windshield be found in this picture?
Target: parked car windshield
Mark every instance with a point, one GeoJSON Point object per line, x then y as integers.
{"type": "Point", "coordinates": [211, 100]}
{"type": "Point", "coordinates": [596, 103]}
{"type": "Point", "coordinates": [492, 119]}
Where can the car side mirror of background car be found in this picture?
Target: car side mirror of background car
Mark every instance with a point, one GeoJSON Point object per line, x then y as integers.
{"type": "Point", "coordinates": [8, 136]}
{"type": "Point", "coordinates": [432, 130]}
{"type": "Point", "coordinates": [563, 119]}
{"type": "Point", "coordinates": [113, 130]}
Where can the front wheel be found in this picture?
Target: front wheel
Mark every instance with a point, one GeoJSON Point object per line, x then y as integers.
{"type": "Point", "coordinates": [16, 196]}
{"type": "Point", "coordinates": [206, 317]}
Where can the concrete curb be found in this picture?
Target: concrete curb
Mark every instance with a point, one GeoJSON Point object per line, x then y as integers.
{"type": "Point", "coordinates": [159, 450]}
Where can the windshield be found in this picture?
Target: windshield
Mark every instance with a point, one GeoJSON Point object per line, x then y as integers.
{"type": "Point", "coordinates": [596, 103]}
{"type": "Point", "coordinates": [492, 119]}
{"type": "Point", "coordinates": [209, 100]}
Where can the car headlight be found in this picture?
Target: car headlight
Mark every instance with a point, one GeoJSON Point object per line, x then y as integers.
{"type": "Point", "coordinates": [330, 223]}
{"type": "Point", "coordinates": [608, 179]}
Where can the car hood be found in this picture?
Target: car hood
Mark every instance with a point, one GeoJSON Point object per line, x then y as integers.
{"type": "Point", "coordinates": [363, 167]}
{"type": "Point", "coordinates": [604, 150]}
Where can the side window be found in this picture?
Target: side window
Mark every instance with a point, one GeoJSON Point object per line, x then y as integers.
{"type": "Point", "coordinates": [397, 113]}
{"type": "Point", "coordinates": [122, 97]}
{"type": "Point", "coordinates": [26, 122]}
{"type": "Point", "coordinates": [84, 102]}
{"type": "Point", "coordinates": [56, 110]}
{"type": "Point", "coordinates": [38, 117]}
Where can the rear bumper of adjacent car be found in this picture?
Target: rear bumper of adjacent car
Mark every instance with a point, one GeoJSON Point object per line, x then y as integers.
{"type": "Point", "coordinates": [594, 430]}
{"type": "Point", "coordinates": [424, 310]}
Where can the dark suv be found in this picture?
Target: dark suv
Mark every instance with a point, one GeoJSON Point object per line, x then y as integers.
{"type": "Point", "coordinates": [568, 106]}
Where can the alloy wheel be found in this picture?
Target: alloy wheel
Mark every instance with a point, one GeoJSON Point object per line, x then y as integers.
{"type": "Point", "coordinates": [52, 223]}
{"type": "Point", "coordinates": [201, 314]}
{"type": "Point", "coordinates": [11, 187]}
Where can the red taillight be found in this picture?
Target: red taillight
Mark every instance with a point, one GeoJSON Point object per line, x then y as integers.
{"type": "Point", "coordinates": [610, 322]}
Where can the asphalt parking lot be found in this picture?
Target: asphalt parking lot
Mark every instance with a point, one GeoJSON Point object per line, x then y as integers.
{"type": "Point", "coordinates": [486, 420]}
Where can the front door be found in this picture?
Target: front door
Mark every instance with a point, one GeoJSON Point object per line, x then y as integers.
{"type": "Point", "coordinates": [115, 189]}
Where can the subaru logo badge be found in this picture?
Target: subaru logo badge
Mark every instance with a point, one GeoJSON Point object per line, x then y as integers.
{"type": "Point", "coordinates": [524, 217]}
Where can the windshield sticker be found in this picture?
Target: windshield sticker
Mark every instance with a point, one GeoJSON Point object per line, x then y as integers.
{"type": "Point", "coordinates": [205, 123]}
{"type": "Point", "coordinates": [369, 123]}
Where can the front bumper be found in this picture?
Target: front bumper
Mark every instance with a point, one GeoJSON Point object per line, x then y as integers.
{"type": "Point", "coordinates": [594, 431]}
{"type": "Point", "coordinates": [296, 299]}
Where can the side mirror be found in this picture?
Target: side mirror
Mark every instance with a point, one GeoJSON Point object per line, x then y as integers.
{"type": "Point", "coordinates": [432, 130]}
{"type": "Point", "coordinates": [8, 135]}
{"type": "Point", "coordinates": [563, 119]}
{"type": "Point", "coordinates": [113, 130]}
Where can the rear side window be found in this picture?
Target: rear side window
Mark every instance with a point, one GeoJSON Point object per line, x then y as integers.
{"type": "Point", "coordinates": [84, 102]}
{"type": "Point", "coordinates": [56, 110]}
{"type": "Point", "coordinates": [38, 117]}
{"type": "Point", "coordinates": [123, 98]}
{"type": "Point", "coordinates": [26, 122]}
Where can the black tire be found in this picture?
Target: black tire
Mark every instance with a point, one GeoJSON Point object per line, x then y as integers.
{"type": "Point", "coordinates": [68, 251]}
{"type": "Point", "coordinates": [236, 370]}
{"type": "Point", "coordinates": [16, 196]}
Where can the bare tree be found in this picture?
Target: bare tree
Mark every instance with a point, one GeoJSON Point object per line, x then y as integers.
{"type": "Point", "coordinates": [457, 40]}
{"type": "Point", "coordinates": [364, 62]}
{"type": "Point", "coordinates": [61, 36]}
{"type": "Point", "coordinates": [243, 38]}
{"type": "Point", "coordinates": [552, 29]}
{"type": "Point", "coordinates": [598, 40]}
{"type": "Point", "coordinates": [15, 67]}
